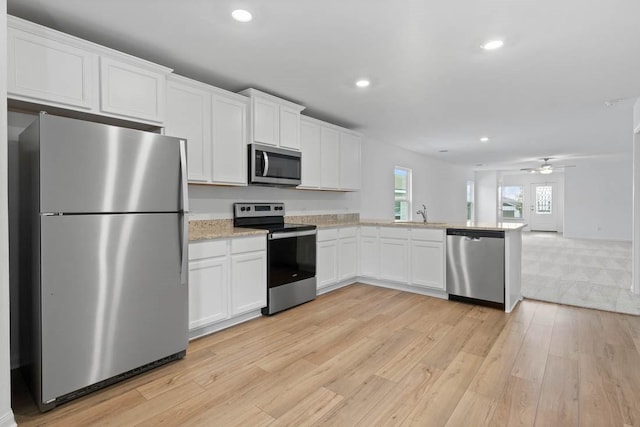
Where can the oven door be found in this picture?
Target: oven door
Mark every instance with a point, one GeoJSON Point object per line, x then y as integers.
{"type": "Point", "coordinates": [291, 256]}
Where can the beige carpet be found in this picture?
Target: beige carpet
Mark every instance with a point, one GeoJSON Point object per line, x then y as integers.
{"type": "Point", "coordinates": [584, 273]}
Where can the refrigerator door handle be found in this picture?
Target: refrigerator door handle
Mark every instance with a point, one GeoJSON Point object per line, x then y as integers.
{"type": "Point", "coordinates": [184, 251]}
{"type": "Point", "coordinates": [184, 177]}
{"type": "Point", "coordinates": [184, 258]}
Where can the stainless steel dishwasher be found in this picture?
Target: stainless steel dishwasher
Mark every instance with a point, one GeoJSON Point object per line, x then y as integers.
{"type": "Point", "coordinates": [475, 266]}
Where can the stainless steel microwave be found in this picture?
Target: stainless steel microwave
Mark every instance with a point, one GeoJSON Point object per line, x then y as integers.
{"type": "Point", "coordinates": [274, 166]}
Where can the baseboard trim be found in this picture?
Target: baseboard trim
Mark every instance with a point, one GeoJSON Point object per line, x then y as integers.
{"type": "Point", "coordinates": [201, 331]}
{"type": "Point", "coordinates": [7, 420]}
{"type": "Point", "coordinates": [403, 287]}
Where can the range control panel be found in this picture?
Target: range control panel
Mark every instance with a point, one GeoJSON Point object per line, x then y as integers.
{"type": "Point", "coordinates": [249, 210]}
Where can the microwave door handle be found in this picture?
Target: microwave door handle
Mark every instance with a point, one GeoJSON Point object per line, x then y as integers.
{"type": "Point", "coordinates": [265, 156]}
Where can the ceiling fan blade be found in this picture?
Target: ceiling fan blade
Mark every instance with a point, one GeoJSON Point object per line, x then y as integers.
{"type": "Point", "coordinates": [564, 167]}
{"type": "Point", "coordinates": [528, 169]}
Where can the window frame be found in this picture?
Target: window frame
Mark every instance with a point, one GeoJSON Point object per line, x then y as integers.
{"type": "Point", "coordinates": [504, 187]}
{"type": "Point", "coordinates": [408, 194]}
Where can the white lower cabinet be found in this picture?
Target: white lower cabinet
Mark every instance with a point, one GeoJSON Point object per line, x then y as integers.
{"type": "Point", "coordinates": [413, 256]}
{"type": "Point", "coordinates": [394, 254]}
{"type": "Point", "coordinates": [248, 282]}
{"type": "Point", "coordinates": [347, 253]}
{"type": "Point", "coordinates": [337, 255]}
{"type": "Point", "coordinates": [326, 264]}
{"type": "Point", "coordinates": [208, 299]}
{"type": "Point", "coordinates": [227, 278]}
{"type": "Point", "coordinates": [427, 264]}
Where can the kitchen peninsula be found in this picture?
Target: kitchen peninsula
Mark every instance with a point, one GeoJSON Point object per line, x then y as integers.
{"type": "Point", "coordinates": [409, 256]}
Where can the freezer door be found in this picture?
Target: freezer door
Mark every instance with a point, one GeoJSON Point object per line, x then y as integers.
{"type": "Point", "coordinates": [90, 167]}
{"type": "Point", "coordinates": [111, 296]}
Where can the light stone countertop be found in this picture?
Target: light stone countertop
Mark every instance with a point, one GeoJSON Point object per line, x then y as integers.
{"type": "Point", "coordinates": [223, 228]}
{"type": "Point", "coordinates": [468, 225]}
{"type": "Point", "coordinates": [217, 229]}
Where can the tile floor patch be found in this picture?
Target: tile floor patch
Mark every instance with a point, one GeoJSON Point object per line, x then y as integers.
{"type": "Point", "coordinates": [586, 273]}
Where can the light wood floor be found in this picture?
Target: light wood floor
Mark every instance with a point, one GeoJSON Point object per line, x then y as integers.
{"type": "Point", "coordinates": [367, 356]}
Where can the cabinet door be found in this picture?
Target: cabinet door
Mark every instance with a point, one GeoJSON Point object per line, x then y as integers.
{"type": "Point", "coordinates": [189, 116]}
{"type": "Point", "coordinates": [349, 161]}
{"type": "Point", "coordinates": [208, 286]}
{"type": "Point", "coordinates": [229, 143]}
{"type": "Point", "coordinates": [427, 264]}
{"type": "Point", "coordinates": [265, 121]}
{"type": "Point", "coordinates": [289, 128]}
{"type": "Point", "coordinates": [347, 258]}
{"type": "Point", "coordinates": [48, 71]}
{"type": "Point", "coordinates": [248, 282]}
{"type": "Point", "coordinates": [369, 256]}
{"type": "Point", "coordinates": [310, 147]}
{"type": "Point", "coordinates": [131, 92]}
{"type": "Point", "coordinates": [327, 260]}
{"type": "Point", "coordinates": [329, 158]}
{"type": "Point", "coordinates": [393, 259]}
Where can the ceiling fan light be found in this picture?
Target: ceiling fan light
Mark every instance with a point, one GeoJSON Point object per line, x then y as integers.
{"type": "Point", "coordinates": [546, 170]}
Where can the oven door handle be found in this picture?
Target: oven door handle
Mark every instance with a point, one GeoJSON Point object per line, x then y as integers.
{"type": "Point", "coordinates": [287, 235]}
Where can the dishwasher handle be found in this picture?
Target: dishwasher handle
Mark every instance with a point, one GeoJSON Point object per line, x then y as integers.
{"type": "Point", "coordinates": [475, 234]}
{"type": "Point", "coordinates": [472, 239]}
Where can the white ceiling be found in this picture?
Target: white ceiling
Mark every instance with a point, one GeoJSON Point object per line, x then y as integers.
{"type": "Point", "coordinates": [433, 88]}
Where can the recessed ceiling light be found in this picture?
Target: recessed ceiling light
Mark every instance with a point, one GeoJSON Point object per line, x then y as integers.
{"type": "Point", "coordinates": [241, 15]}
{"type": "Point", "coordinates": [363, 83]}
{"type": "Point", "coordinates": [484, 139]}
{"type": "Point", "coordinates": [492, 45]}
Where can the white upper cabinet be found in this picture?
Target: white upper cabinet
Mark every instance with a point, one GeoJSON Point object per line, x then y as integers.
{"type": "Point", "coordinates": [214, 123]}
{"type": "Point", "coordinates": [310, 147]}
{"type": "Point", "coordinates": [330, 156]}
{"type": "Point", "coordinates": [51, 71]}
{"type": "Point", "coordinates": [131, 91]}
{"type": "Point", "coordinates": [273, 121]}
{"type": "Point", "coordinates": [349, 161]}
{"type": "Point", "coordinates": [289, 127]}
{"type": "Point", "coordinates": [229, 144]}
{"type": "Point", "coordinates": [47, 67]}
{"type": "Point", "coordinates": [189, 116]}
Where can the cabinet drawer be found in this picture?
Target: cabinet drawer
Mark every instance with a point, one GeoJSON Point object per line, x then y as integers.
{"type": "Point", "coordinates": [394, 233]}
{"type": "Point", "coordinates": [427, 234]}
{"type": "Point", "coordinates": [327, 234]}
{"type": "Point", "coordinates": [367, 231]}
{"type": "Point", "coordinates": [347, 232]}
{"type": "Point", "coordinates": [248, 244]}
{"type": "Point", "coordinates": [207, 249]}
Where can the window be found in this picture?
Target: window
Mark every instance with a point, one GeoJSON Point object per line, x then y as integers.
{"type": "Point", "coordinates": [512, 201]}
{"type": "Point", "coordinates": [543, 199]}
{"type": "Point", "coordinates": [470, 198]}
{"type": "Point", "coordinates": [402, 191]}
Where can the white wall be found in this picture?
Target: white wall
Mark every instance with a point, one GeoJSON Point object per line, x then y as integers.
{"type": "Point", "coordinates": [216, 201]}
{"type": "Point", "coordinates": [636, 198]}
{"type": "Point", "coordinates": [599, 199]}
{"type": "Point", "coordinates": [525, 180]}
{"type": "Point", "coordinates": [486, 196]}
{"type": "Point", "coordinates": [6, 415]}
{"type": "Point", "coordinates": [437, 184]}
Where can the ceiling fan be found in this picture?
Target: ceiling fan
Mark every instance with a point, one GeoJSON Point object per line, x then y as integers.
{"type": "Point", "coordinates": [546, 167]}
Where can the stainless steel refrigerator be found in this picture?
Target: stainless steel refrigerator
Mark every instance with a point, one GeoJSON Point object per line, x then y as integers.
{"type": "Point", "coordinates": [104, 238]}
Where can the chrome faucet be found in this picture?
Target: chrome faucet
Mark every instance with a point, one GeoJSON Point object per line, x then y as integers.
{"type": "Point", "coordinates": [423, 212]}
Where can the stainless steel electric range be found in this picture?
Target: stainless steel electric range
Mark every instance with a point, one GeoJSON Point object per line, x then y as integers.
{"type": "Point", "coordinates": [291, 254]}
